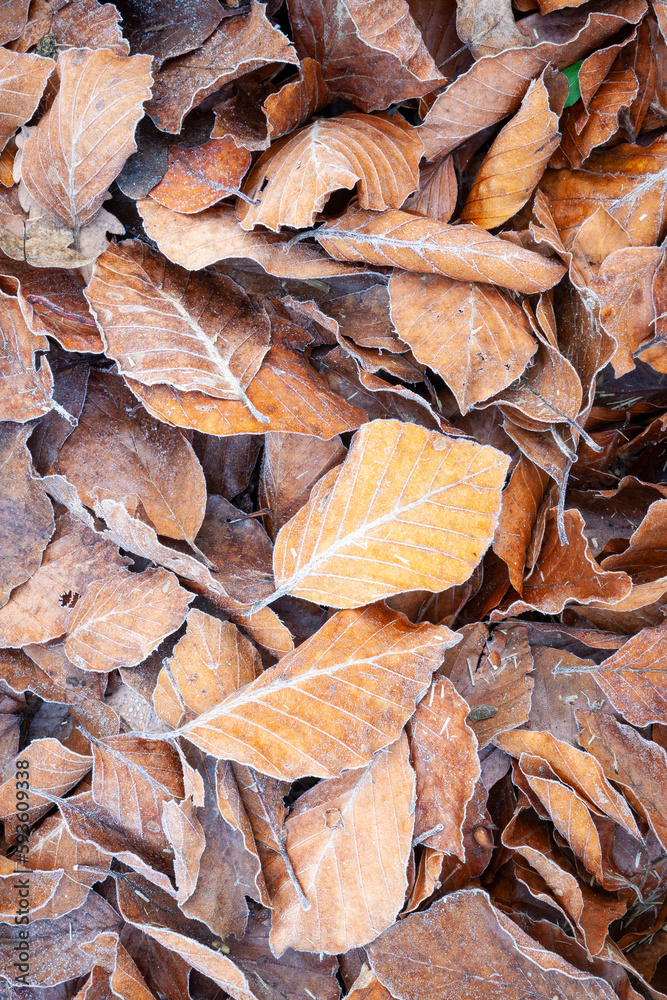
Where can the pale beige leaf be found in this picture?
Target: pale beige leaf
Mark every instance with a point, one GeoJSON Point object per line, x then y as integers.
{"type": "Point", "coordinates": [295, 177]}
{"type": "Point", "coordinates": [331, 704]}
{"type": "Point", "coordinates": [475, 336]}
{"type": "Point", "coordinates": [195, 241]}
{"type": "Point", "coordinates": [192, 332]}
{"type": "Point", "coordinates": [349, 840]}
{"type": "Point", "coordinates": [415, 243]}
{"type": "Point", "coordinates": [120, 620]}
{"type": "Point", "coordinates": [82, 142]}
{"type": "Point", "coordinates": [409, 509]}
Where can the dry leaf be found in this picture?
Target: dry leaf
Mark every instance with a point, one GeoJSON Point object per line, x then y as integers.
{"type": "Point", "coordinates": [119, 452]}
{"type": "Point", "coordinates": [25, 512]}
{"type": "Point", "coordinates": [369, 55]}
{"type": "Point", "coordinates": [195, 241]}
{"type": "Point", "coordinates": [293, 180]}
{"type": "Point", "coordinates": [22, 81]}
{"type": "Point", "coordinates": [198, 178]}
{"type": "Point", "coordinates": [207, 335]}
{"type": "Point", "coordinates": [349, 839]}
{"type": "Point", "coordinates": [346, 553]}
{"type": "Point", "coordinates": [443, 752]}
{"type": "Point", "coordinates": [507, 178]}
{"type": "Point", "coordinates": [27, 383]}
{"type": "Point", "coordinates": [300, 711]}
{"type": "Point", "coordinates": [466, 253]}
{"type": "Point", "coordinates": [120, 620]}
{"type": "Point", "coordinates": [474, 336]}
{"type": "Point", "coordinates": [239, 46]}
{"type": "Point", "coordinates": [87, 134]}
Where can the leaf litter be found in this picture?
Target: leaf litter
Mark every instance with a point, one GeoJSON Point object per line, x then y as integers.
{"type": "Point", "coordinates": [333, 583]}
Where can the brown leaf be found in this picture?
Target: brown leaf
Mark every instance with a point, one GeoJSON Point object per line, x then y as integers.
{"type": "Point", "coordinates": [56, 952]}
{"type": "Point", "coordinates": [601, 118]}
{"type": "Point", "coordinates": [519, 506]}
{"type": "Point", "coordinates": [571, 817]}
{"type": "Point", "coordinates": [589, 908]}
{"type": "Point", "coordinates": [492, 674]}
{"type": "Point", "coordinates": [26, 513]}
{"type": "Point", "coordinates": [27, 384]}
{"type": "Point", "coordinates": [291, 465]}
{"type": "Point", "coordinates": [147, 31]}
{"type": "Point", "coordinates": [466, 253]}
{"type": "Point", "coordinates": [198, 178]}
{"type": "Point", "coordinates": [488, 27]}
{"type": "Point", "coordinates": [195, 241]}
{"type": "Point", "coordinates": [296, 101]}
{"type": "Point", "coordinates": [515, 162]}
{"type": "Point", "coordinates": [287, 388]}
{"type": "Point", "coordinates": [15, 17]}
{"type": "Point", "coordinates": [623, 287]}
{"type": "Point", "coordinates": [558, 693]}
{"type": "Point", "coordinates": [41, 608]}
{"type": "Point", "coordinates": [579, 770]}
{"type": "Point", "coordinates": [568, 572]}
{"type": "Point", "coordinates": [121, 619]}
{"type": "Point", "coordinates": [22, 81]}
{"type": "Point", "coordinates": [297, 175]}
{"type": "Point", "coordinates": [119, 452]}
{"type": "Point", "coordinates": [87, 134]}
{"type": "Point", "coordinates": [463, 939]}
{"type": "Point", "coordinates": [240, 45]}
{"type": "Point", "coordinates": [437, 193]}
{"type": "Point", "coordinates": [303, 721]}
{"type": "Point", "coordinates": [370, 56]}
{"type": "Point", "coordinates": [629, 760]}
{"type": "Point", "coordinates": [206, 334]}
{"type": "Point", "coordinates": [446, 765]}
{"type": "Point", "coordinates": [349, 839]}
{"type": "Point", "coordinates": [346, 554]}
{"type": "Point", "coordinates": [617, 180]}
{"type": "Point", "coordinates": [645, 558]}
{"type": "Point", "coordinates": [474, 336]}
{"type": "Point", "coordinates": [210, 662]}
{"type": "Point", "coordinates": [84, 24]}
{"type": "Point", "coordinates": [495, 85]}
{"type": "Point", "coordinates": [53, 768]}
{"type": "Point", "coordinates": [634, 678]}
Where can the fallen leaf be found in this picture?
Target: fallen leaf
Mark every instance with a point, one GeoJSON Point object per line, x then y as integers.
{"type": "Point", "coordinates": [121, 619]}
{"type": "Point", "coordinates": [195, 241]}
{"type": "Point", "coordinates": [119, 452]}
{"type": "Point", "coordinates": [466, 938]}
{"type": "Point", "coordinates": [240, 45]}
{"type": "Point", "coordinates": [81, 143]}
{"type": "Point", "coordinates": [488, 27]}
{"type": "Point", "coordinates": [349, 848]}
{"type": "Point", "coordinates": [198, 178]}
{"type": "Point", "coordinates": [22, 82]}
{"type": "Point", "coordinates": [291, 465]}
{"type": "Point", "coordinates": [466, 253]}
{"type": "Point", "coordinates": [25, 511]}
{"type": "Point", "coordinates": [207, 335]}
{"type": "Point", "coordinates": [147, 31]}
{"type": "Point", "coordinates": [446, 765]}
{"type": "Point", "coordinates": [27, 383]}
{"type": "Point", "coordinates": [368, 55]}
{"type": "Point", "coordinates": [53, 768]}
{"type": "Point", "coordinates": [507, 178]}
{"type": "Point", "coordinates": [285, 707]}
{"type": "Point", "coordinates": [474, 336]}
{"type": "Point", "coordinates": [637, 764]}
{"type": "Point", "coordinates": [376, 154]}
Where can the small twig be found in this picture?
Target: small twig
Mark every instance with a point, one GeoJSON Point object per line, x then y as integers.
{"type": "Point", "coordinates": [427, 833]}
